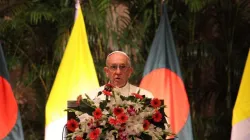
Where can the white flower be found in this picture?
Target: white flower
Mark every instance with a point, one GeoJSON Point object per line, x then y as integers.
{"type": "Point", "coordinates": [138, 107]}
{"type": "Point", "coordinates": [97, 101]}
{"type": "Point", "coordinates": [78, 113]}
{"type": "Point", "coordinates": [139, 128]}
{"type": "Point", "coordinates": [149, 109]}
{"type": "Point", "coordinates": [159, 131]}
{"type": "Point", "coordinates": [167, 128]}
{"type": "Point", "coordinates": [84, 127]}
{"type": "Point", "coordinates": [134, 125]}
{"type": "Point", "coordinates": [147, 112]}
{"type": "Point", "coordinates": [135, 120]}
{"type": "Point", "coordinates": [129, 129]}
{"type": "Point", "coordinates": [77, 132]}
{"type": "Point", "coordinates": [103, 123]}
{"type": "Point", "coordinates": [111, 104]}
{"type": "Point", "coordinates": [85, 117]}
{"type": "Point", "coordinates": [110, 135]}
{"type": "Point", "coordinates": [105, 112]}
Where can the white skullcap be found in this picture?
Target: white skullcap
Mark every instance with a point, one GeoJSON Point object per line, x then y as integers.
{"type": "Point", "coordinates": [121, 52]}
{"type": "Point", "coordinates": [118, 52]}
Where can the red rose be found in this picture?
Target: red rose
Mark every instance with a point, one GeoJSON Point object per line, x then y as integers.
{"type": "Point", "coordinates": [138, 96]}
{"type": "Point", "coordinates": [118, 111]}
{"type": "Point", "coordinates": [72, 125]}
{"type": "Point", "coordinates": [122, 118]}
{"type": "Point", "coordinates": [146, 124]}
{"type": "Point", "coordinates": [155, 103]}
{"type": "Point", "coordinates": [112, 121]}
{"type": "Point", "coordinates": [79, 138]}
{"type": "Point", "coordinates": [107, 93]}
{"type": "Point", "coordinates": [97, 113]}
{"type": "Point", "coordinates": [108, 87]}
{"type": "Point", "coordinates": [157, 116]}
{"type": "Point", "coordinates": [95, 134]}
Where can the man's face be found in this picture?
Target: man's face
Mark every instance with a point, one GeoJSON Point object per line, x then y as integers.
{"type": "Point", "coordinates": [118, 69]}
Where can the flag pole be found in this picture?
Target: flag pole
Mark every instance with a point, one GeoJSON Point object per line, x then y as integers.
{"type": "Point", "coordinates": [77, 6]}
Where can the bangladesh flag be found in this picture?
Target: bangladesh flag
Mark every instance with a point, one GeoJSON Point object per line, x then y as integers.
{"type": "Point", "coordinates": [10, 119]}
{"type": "Point", "coordinates": [162, 76]}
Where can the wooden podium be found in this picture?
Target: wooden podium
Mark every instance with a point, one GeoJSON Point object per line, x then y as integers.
{"type": "Point", "coordinates": [71, 104]}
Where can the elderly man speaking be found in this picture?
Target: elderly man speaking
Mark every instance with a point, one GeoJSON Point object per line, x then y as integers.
{"type": "Point", "coordinates": [118, 70]}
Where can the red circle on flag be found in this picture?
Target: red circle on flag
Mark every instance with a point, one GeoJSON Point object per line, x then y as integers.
{"type": "Point", "coordinates": [167, 85]}
{"type": "Point", "coordinates": [8, 108]}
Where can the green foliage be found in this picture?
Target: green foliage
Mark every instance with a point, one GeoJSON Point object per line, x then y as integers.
{"type": "Point", "coordinates": [198, 5]}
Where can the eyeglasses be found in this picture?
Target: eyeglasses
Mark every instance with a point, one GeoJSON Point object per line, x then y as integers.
{"type": "Point", "coordinates": [121, 67]}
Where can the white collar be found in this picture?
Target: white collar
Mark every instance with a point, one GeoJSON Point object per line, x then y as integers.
{"type": "Point", "coordinates": [125, 87]}
{"type": "Point", "coordinates": [125, 90]}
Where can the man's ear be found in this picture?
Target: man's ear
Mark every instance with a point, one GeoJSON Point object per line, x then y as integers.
{"type": "Point", "coordinates": [131, 70]}
{"type": "Point", "coordinates": [105, 69]}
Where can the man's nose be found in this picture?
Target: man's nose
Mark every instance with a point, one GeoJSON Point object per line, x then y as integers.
{"type": "Point", "coordinates": [118, 70]}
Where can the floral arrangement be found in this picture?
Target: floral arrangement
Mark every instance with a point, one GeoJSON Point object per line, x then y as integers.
{"type": "Point", "coordinates": [118, 118]}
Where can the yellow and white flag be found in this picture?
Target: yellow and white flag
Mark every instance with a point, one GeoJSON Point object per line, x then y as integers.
{"type": "Point", "coordinates": [76, 75]}
{"type": "Point", "coordinates": [241, 112]}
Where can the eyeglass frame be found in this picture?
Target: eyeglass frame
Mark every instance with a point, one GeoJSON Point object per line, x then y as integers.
{"type": "Point", "coordinates": [121, 67]}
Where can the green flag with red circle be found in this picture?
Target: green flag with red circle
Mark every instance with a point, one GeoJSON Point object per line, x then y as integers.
{"type": "Point", "coordinates": [10, 119]}
{"type": "Point", "coordinates": [162, 76]}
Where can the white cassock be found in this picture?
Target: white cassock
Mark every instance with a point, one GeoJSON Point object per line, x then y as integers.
{"type": "Point", "coordinates": [127, 90]}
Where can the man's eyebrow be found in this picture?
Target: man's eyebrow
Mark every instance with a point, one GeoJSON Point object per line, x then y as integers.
{"type": "Point", "coordinates": [118, 63]}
